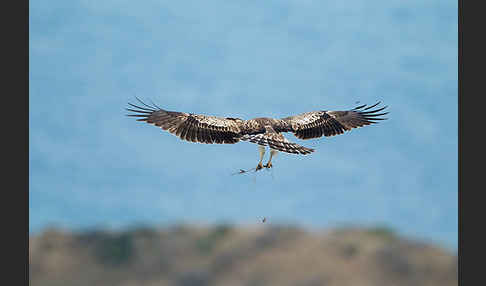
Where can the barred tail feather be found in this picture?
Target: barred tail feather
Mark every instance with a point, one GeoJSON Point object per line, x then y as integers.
{"type": "Point", "coordinates": [275, 143]}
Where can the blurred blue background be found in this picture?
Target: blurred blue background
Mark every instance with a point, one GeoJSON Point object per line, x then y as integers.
{"type": "Point", "coordinates": [91, 166]}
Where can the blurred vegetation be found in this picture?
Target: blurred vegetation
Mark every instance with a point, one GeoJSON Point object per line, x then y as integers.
{"type": "Point", "coordinates": [383, 232]}
{"type": "Point", "coordinates": [109, 248]}
{"type": "Point", "coordinates": [206, 243]}
{"type": "Point", "coordinates": [115, 249]}
{"type": "Point", "coordinates": [267, 254]}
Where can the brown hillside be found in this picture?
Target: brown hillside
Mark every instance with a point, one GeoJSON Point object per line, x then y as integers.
{"type": "Point", "coordinates": [223, 255]}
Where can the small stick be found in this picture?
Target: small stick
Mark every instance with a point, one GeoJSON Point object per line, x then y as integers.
{"type": "Point", "coordinates": [241, 171]}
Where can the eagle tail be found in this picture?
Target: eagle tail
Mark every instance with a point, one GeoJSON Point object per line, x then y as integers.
{"type": "Point", "coordinates": [276, 142]}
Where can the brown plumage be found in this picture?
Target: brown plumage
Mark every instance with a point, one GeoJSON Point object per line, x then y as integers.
{"type": "Point", "coordinates": [276, 141]}
{"type": "Point", "coordinates": [263, 131]}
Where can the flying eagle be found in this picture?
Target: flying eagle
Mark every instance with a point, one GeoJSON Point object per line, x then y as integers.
{"type": "Point", "coordinates": [263, 131]}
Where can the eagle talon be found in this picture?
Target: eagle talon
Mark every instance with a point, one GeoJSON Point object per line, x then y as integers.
{"type": "Point", "coordinates": [259, 167]}
{"type": "Point", "coordinates": [268, 165]}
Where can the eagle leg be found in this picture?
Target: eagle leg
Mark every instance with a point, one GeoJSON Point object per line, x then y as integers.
{"type": "Point", "coordinates": [261, 149]}
{"type": "Point", "coordinates": [269, 163]}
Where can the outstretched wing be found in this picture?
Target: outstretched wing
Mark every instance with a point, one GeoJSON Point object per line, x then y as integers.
{"type": "Point", "coordinates": [329, 123]}
{"type": "Point", "coordinates": [188, 126]}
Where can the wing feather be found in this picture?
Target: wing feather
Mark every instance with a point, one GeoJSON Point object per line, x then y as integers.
{"type": "Point", "coordinates": [190, 127]}
{"type": "Point", "coordinates": [329, 123]}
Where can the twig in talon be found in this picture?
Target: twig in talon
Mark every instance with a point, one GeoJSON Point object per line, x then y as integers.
{"type": "Point", "coordinates": [241, 171]}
